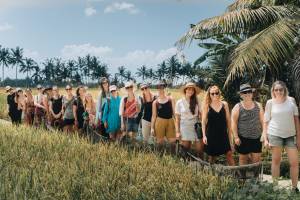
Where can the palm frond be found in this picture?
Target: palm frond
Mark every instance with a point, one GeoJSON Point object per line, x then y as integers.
{"type": "Point", "coordinates": [269, 46]}
{"type": "Point", "coordinates": [242, 4]}
{"type": "Point", "coordinates": [236, 22]}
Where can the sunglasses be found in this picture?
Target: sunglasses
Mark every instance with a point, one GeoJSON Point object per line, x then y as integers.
{"type": "Point", "coordinates": [278, 90]}
{"type": "Point", "coordinates": [104, 83]}
{"type": "Point", "coordinates": [128, 87]}
{"type": "Point", "coordinates": [215, 93]}
{"type": "Point", "coordinates": [145, 88]}
{"type": "Point", "coordinates": [113, 90]}
{"type": "Point", "coordinates": [68, 89]}
{"type": "Point", "coordinates": [247, 92]}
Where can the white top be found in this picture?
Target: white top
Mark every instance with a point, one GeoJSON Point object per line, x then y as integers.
{"type": "Point", "coordinates": [281, 118]}
{"type": "Point", "coordinates": [182, 108]}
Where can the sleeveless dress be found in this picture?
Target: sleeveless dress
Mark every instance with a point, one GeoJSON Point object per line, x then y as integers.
{"type": "Point", "coordinates": [216, 133]}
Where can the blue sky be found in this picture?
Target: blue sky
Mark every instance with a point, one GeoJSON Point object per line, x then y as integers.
{"type": "Point", "coordinates": [123, 32]}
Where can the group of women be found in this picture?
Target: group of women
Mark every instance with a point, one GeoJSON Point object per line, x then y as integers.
{"type": "Point", "coordinates": [206, 126]}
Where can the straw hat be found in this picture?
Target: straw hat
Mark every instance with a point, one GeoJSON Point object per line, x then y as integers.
{"type": "Point", "coordinates": [8, 88]}
{"type": "Point", "coordinates": [246, 87]}
{"type": "Point", "coordinates": [112, 88]}
{"type": "Point", "coordinates": [191, 85]}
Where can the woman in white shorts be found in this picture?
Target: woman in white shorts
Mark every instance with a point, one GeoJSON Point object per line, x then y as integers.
{"type": "Point", "coordinates": [187, 113]}
{"type": "Point", "coordinates": [281, 130]}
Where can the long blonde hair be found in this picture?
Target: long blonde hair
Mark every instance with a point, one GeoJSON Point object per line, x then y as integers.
{"type": "Point", "coordinates": [207, 99]}
{"type": "Point", "coordinates": [93, 106]}
{"type": "Point", "coordinates": [283, 85]}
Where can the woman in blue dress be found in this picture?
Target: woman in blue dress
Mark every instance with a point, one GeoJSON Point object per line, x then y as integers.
{"type": "Point", "coordinates": [110, 116]}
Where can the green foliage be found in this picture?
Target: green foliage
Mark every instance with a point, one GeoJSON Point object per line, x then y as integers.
{"type": "Point", "coordinates": [37, 165]}
{"type": "Point", "coordinates": [252, 190]}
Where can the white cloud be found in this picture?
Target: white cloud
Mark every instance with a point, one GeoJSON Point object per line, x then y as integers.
{"type": "Point", "coordinates": [123, 6]}
{"type": "Point", "coordinates": [142, 57]}
{"type": "Point", "coordinates": [89, 11]}
{"type": "Point", "coordinates": [32, 54]}
{"type": "Point", "coordinates": [5, 27]}
{"type": "Point", "coordinates": [73, 51]}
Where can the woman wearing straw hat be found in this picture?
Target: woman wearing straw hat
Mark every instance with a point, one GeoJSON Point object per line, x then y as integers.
{"type": "Point", "coordinates": [146, 110]}
{"type": "Point", "coordinates": [281, 130]}
{"type": "Point", "coordinates": [247, 123]}
{"type": "Point", "coordinates": [110, 116]}
{"type": "Point", "coordinates": [188, 114]}
{"type": "Point", "coordinates": [129, 110]}
{"type": "Point", "coordinates": [162, 122]}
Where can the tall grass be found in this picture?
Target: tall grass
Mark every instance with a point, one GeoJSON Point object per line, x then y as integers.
{"type": "Point", "coordinates": [38, 165]}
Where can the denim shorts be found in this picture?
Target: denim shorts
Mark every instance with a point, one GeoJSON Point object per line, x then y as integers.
{"type": "Point", "coordinates": [282, 142]}
{"type": "Point", "coordinates": [131, 125]}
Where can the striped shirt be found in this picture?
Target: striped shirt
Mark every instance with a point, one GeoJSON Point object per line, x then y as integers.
{"type": "Point", "coordinates": [249, 125]}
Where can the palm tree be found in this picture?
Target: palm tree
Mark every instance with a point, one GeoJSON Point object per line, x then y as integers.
{"type": "Point", "coordinates": [37, 75]}
{"type": "Point", "coordinates": [142, 72]}
{"type": "Point", "coordinates": [49, 69]}
{"type": "Point", "coordinates": [161, 71]}
{"type": "Point", "coordinates": [16, 58]}
{"type": "Point", "coordinates": [128, 76]}
{"type": "Point", "coordinates": [80, 66]}
{"type": "Point", "coordinates": [173, 67]}
{"type": "Point", "coordinates": [27, 66]}
{"type": "Point", "coordinates": [4, 60]}
{"type": "Point", "coordinates": [121, 73]}
{"type": "Point", "coordinates": [269, 29]}
{"type": "Point", "coordinates": [71, 68]}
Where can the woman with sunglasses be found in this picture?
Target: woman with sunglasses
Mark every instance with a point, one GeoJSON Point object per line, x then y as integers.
{"type": "Point", "coordinates": [40, 108]}
{"type": "Point", "coordinates": [162, 122]}
{"type": "Point", "coordinates": [56, 108]}
{"type": "Point", "coordinates": [78, 107]}
{"type": "Point", "coordinates": [103, 95]}
{"type": "Point", "coordinates": [247, 122]}
{"type": "Point", "coordinates": [68, 114]}
{"type": "Point", "coordinates": [129, 110]}
{"type": "Point", "coordinates": [216, 126]}
{"type": "Point", "coordinates": [281, 130]}
{"type": "Point", "coordinates": [90, 109]}
{"type": "Point", "coordinates": [187, 112]}
{"type": "Point", "coordinates": [146, 111]}
{"type": "Point", "coordinates": [111, 117]}
{"type": "Point", "coordinates": [29, 107]}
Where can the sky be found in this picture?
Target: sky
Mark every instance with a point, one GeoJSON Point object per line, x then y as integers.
{"type": "Point", "coordinates": [131, 33]}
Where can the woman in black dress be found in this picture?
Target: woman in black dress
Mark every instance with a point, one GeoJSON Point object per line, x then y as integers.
{"type": "Point", "coordinates": [78, 107]}
{"type": "Point", "coordinates": [216, 126]}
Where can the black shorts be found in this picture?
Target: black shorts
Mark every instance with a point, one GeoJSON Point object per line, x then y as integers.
{"type": "Point", "coordinates": [249, 146]}
{"type": "Point", "coordinates": [68, 122]}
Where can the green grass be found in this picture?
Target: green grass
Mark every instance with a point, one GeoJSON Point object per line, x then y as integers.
{"type": "Point", "coordinates": [37, 165]}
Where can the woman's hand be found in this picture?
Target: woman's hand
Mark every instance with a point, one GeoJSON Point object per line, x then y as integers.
{"type": "Point", "coordinates": [204, 139]}
{"type": "Point", "coordinates": [178, 134]}
{"type": "Point", "coordinates": [105, 125]}
{"type": "Point", "coordinates": [152, 132]}
{"type": "Point", "coordinates": [122, 127]}
{"type": "Point", "coordinates": [237, 141]}
{"type": "Point", "coordinates": [298, 142]}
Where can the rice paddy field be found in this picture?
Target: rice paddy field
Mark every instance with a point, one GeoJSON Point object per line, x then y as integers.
{"type": "Point", "coordinates": [37, 164]}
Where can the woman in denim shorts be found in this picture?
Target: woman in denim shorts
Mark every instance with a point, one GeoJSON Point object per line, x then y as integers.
{"type": "Point", "coordinates": [281, 130]}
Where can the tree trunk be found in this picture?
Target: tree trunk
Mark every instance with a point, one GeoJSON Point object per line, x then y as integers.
{"type": "Point", "coordinates": [3, 74]}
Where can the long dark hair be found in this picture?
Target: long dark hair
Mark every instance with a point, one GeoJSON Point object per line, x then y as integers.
{"type": "Point", "coordinates": [193, 102]}
{"type": "Point", "coordinates": [103, 93]}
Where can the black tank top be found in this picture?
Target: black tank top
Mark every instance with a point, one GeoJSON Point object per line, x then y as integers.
{"type": "Point", "coordinates": [148, 110]}
{"type": "Point", "coordinates": [56, 105]}
{"type": "Point", "coordinates": [165, 110]}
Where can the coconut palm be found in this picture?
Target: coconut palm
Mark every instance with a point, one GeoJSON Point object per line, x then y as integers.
{"type": "Point", "coordinates": [4, 60]}
{"type": "Point", "coordinates": [161, 71]}
{"type": "Point", "coordinates": [142, 72]}
{"type": "Point", "coordinates": [173, 67]}
{"type": "Point", "coordinates": [16, 58]}
{"type": "Point", "coordinates": [269, 29]}
{"type": "Point", "coordinates": [27, 66]}
{"type": "Point", "coordinates": [121, 73]}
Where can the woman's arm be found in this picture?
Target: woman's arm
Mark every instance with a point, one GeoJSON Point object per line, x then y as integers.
{"type": "Point", "coordinates": [234, 121]}
{"type": "Point", "coordinates": [204, 122]}
{"type": "Point", "coordinates": [75, 114]}
{"type": "Point", "coordinates": [228, 120]}
{"type": "Point", "coordinates": [153, 118]}
{"type": "Point", "coordinates": [177, 125]}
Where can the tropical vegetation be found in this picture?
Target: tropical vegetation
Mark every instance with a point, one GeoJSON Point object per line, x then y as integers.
{"type": "Point", "coordinates": [254, 41]}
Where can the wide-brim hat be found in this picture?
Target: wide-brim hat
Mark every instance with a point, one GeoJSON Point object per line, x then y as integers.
{"type": "Point", "coordinates": [19, 89]}
{"type": "Point", "coordinates": [112, 88]}
{"type": "Point", "coordinates": [144, 85]}
{"type": "Point", "coordinates": [246, 87]}
{"type": "Point", "coordinates": [8, 88]}
{"type": "Point", "coordinates": [128, 84]}
{"type": "Point", "coordinates": [191, 85]}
